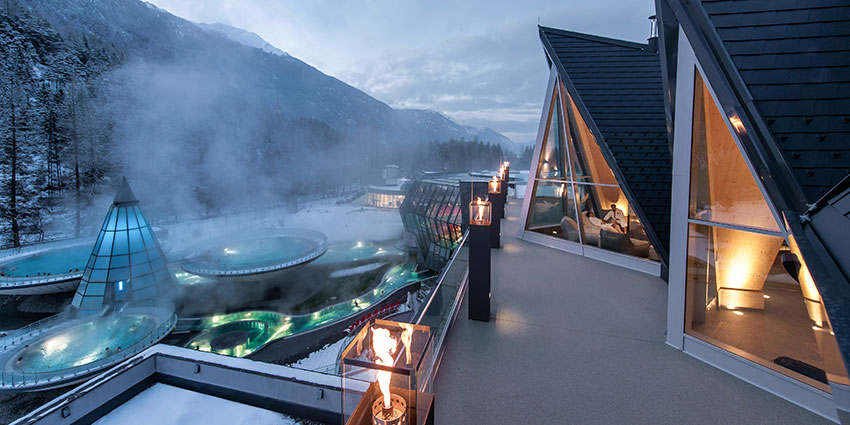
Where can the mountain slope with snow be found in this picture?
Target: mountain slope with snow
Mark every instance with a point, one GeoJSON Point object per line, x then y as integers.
{"type": "Point", "coordinates": [241, 36]}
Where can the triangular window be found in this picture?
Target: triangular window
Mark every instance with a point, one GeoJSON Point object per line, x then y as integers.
{"type": "Point", "coordinates": [589, 165]}
{"type": "Point", "coordinates": [589, 206]}
{"type": "Point", "coordinates": [552, 157]}
{"type": "Point", "coordinates": [723, 189]}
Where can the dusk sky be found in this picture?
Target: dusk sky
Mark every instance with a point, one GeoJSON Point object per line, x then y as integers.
{"type": "Point", "coordinates": [479, 62]}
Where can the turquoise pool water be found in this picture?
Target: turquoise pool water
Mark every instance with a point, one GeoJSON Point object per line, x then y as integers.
{"type": "Point", "coordinates": [256, 252]}
{"type": "Point", "coordinates": [83, 343]}
{"type": "Point", "coordinates": [53, 261]}
{"type": "Point", "coordinates": [281, 325]}
{"type": "Point", "coordinates": [355, 251]}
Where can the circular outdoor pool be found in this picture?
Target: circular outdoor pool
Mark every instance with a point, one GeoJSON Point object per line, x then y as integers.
{"type": "Point", "coordinates": [257, 255]}
{"type": "Point", "coordinates": [82, 343]}
{"type": "Point", "coordinates": [55, 261]}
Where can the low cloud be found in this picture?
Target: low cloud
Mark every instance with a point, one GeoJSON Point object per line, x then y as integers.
{"type": "Point", "coordinates": [478, 62]}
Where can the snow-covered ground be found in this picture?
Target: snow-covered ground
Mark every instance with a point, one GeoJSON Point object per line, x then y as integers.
{"type": "Point", "coordinates": [166, 405]}
{"type": "Point", "coordinates": [323, 359]}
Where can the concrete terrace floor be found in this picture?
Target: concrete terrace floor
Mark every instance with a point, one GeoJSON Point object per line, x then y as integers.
{"type": "Point", "coordinates": [577, 341]}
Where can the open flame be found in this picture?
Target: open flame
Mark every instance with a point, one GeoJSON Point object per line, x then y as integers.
{"type": "Point", "coordinates": [494, 185]}
{"type": "Point", "coordinates": [406, 338]}
{"type": "Point", "coordinates": [479, 205]}
{"type": "Point", "coordinates": [384, 346]}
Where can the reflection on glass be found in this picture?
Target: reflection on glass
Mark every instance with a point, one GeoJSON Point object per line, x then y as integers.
{"type": "Point", "coordinates": [608, 222]}
{"type": "Point", "coordinates": [552, 153]}
{"type": "Point", "coordinates": [589, 166]}
{"type": "Point", "coordinates": [751, 294]}
{"type": "Point", "coordinates": [722, 187]}
{"type": "Point", "coordinates": [431, 215]}
{"type": "Point", "coordinates": [552, 211]}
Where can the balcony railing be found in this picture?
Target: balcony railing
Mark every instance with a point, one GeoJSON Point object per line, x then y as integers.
{"type": "Point", "coordinates": [440, 309]}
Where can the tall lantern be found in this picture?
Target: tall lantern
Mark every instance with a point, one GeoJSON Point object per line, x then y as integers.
{"type": "Point", "coordinates": [494, 192]}
{"type": "Point", "coordinates": [479, 259]}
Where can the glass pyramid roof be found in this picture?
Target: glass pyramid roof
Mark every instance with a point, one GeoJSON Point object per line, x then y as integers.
{"type": "Point", "coordinates": [126, 263]}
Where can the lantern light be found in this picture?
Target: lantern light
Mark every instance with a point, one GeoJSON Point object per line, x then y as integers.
{"type": "Point", "coordinates": [479, 212]}
{"type": "Point", "coordinates": [494, 186]}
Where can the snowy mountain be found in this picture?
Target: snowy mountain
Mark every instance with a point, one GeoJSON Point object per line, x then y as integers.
{"type": "Point", "coordinates": [199, 118]}
{"type": "Point", "coordinates": [241, 36]}
{"type": "Point", "coordinates": [141, 32]}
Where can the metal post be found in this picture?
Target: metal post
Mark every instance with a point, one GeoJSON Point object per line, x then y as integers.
{"type": "Point", "coordinates": [503, 194]}
{"type": "Point", "coordinates": [479, 272]}
{"type": "Point", "coordinates": [497, 201]}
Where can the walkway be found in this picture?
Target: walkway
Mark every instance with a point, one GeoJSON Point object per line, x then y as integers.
{"type": "Point", "coordinates": [577, 341]}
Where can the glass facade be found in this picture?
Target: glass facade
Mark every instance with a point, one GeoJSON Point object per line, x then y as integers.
{"type": "Point", "coordinates": [431, 212]}
{"type": "Point", "coordinates": [576, 196]}
{"type": "Point", "coordinates": [747, 286]}
{"type": "Point", "coordinates": [126, 263]}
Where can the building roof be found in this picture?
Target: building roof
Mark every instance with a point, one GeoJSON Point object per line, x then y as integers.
{"type": "Point", "coordinates": [794, 57]}
{"type": "Point", "coordinates": [619, 85]}
{"type": "Point", "coordinates": [125, 195]}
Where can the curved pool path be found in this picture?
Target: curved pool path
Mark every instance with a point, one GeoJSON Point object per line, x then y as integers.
{"type": "Point", "coordinates": [284, 326]}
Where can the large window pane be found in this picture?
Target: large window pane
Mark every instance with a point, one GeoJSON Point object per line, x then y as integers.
{"type": "Point", "coordinates": [552, 211]}
{"type": "Point", "coordinates": [744, 295]}
{"type": "Point", "coordinates": [552, 157]}
{"type": "Point", "coordinates": [608, 222]}
{"type": "Point", "coordinates": [722, 188]}
{"type": "Point", "coordinates": [589, 166]}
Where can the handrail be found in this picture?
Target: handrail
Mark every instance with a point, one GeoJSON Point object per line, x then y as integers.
{"type": "Point", "coordinates": [202, 266]}
{"type": "Point", "coordinates": [442, 277]}
{"type": "Point", "coordinates": [12, 281]}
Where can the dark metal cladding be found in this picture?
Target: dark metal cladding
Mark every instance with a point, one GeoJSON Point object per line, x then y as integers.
{"type": "Point", "coordinates": [794, 57]}
{"type": "Point", "coordinates": [620, 84]}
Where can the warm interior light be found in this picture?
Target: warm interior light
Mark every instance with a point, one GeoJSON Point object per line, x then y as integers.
{"type": "Point", "coordinates": [743, 261]}
{"type": "Point", "coordinates": [739, 313]}
{"type": "Point", "coordinates": [766, 296]}
{"type": "Point", "coordinates": [406, 339]}
{"type": "Point", "coordinates": [811, 295]}
{"type": "Point", "coordinates": [736, 122]}
{"type": "Point", "coordinates": [384, 346]}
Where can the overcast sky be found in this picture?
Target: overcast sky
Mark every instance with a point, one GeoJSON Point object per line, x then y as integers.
{"type": "Point", "coordinates": [479, 62]}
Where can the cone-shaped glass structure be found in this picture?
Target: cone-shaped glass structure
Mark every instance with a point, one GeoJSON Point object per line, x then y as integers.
{"type": "Point", "coordinates": [126, 263]}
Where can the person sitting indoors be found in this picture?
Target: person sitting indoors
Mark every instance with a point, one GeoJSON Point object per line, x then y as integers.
{"type": "Point", "coordinates": [616, 218]}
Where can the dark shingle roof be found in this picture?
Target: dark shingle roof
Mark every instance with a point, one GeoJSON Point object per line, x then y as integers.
{"type": "Point", "coordinates": [619, 82]}
{"type": "Point", "coordinates": [794, 57]}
